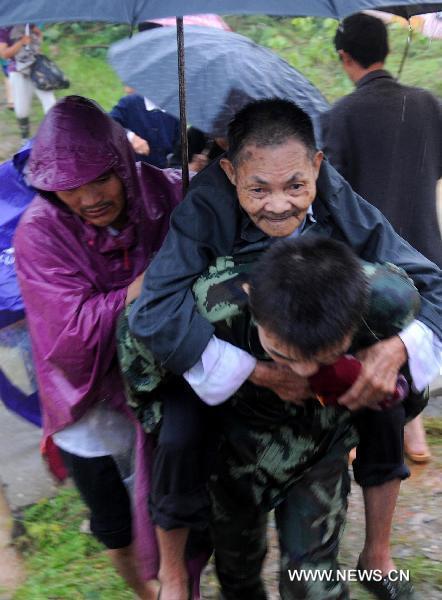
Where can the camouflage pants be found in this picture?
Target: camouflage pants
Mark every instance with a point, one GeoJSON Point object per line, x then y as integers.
{"type": "Point", "coordinates": [305, 478]}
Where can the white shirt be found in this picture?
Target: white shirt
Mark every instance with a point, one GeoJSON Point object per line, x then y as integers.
{"type": "Point", "coordinates": [149, 106]}
{"type": "Point", "coordinates": [101, 431]}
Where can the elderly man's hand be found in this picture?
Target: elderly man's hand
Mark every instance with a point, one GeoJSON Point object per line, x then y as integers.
{"type": "Point", "coordinates": [282, 380]}
{"type": "Point", "coordinates": [380, 368]}
{"type": "Point", "coordinates": [139, 145]}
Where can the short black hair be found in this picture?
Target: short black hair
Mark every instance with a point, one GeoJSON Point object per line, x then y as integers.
{"type": "Point", "coordinates": [310, 292]}
{"type": "Point", "coordinates": [364, 37]}
{"type": "Point", "coordinates": [269, 122]}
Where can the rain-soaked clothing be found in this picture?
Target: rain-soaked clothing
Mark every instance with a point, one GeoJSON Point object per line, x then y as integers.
{"type": "Point", "coordinates": [74, 276]}
{"type": "Point", "coordinates": [273, 454]}
{"type": "Point", "coordinates": [210, 223]}
{"type": "Point", "coordinates": [385, 139]}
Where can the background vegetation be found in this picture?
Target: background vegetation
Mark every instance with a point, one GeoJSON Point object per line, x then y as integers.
{"type": "Point", "coordinates": [306, 43]}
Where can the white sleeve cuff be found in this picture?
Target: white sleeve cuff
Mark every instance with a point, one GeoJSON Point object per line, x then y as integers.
{"type": "Point", "coordinates": [424, 350]}
{"type": "Point", "coordinates": [221, 370]}
{"type": "Point", "coordinates": [130, 135]}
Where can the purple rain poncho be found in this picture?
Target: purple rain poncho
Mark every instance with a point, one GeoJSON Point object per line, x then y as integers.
{"type": "Point", "coordinates": [74, 277]}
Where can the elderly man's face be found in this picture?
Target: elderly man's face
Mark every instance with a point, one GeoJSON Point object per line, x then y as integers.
{"type": "Point", "coordinates": [100, 202]}
{"type": "Point", "coordinates": [275, 184]}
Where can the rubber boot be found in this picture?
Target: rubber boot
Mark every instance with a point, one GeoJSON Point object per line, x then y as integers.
{"type": "Point", "coordinates": [23, 125]}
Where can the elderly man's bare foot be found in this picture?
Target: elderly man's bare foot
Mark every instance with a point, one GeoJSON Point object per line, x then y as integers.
{"type": "Point", "coordinates": [415, 443]}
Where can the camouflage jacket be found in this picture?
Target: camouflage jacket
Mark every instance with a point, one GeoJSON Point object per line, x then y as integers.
{"type": "Point", "coordinates": [393, 304]}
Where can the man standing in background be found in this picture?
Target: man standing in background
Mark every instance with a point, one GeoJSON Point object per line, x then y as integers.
{"type": "Point", "coordinates": [385, 138]}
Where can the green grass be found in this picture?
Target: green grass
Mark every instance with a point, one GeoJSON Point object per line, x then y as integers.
{"type": "Point", "coordinates": [81, 52]}
{"type": "Point", "coordinates": [61, 562]}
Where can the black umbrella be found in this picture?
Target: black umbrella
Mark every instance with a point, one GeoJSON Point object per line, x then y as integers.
{"type": "Point", "coordinates": [224, 71]}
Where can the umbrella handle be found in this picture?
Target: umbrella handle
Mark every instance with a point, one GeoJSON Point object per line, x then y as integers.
{"type": "Point", "coordinates": [182, 100]}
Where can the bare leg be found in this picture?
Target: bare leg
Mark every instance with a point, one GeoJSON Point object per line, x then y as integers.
{"type": "Point", "coordinates": [124, 561]}
{"type": "Point", "coordinates": [173, 573]}
{"type": "Point", "coordinates": [380, 502]}
{"type": "Point", "coordinates": [9, 96]}
{"type": "Point", "coordinates": [415, 442]}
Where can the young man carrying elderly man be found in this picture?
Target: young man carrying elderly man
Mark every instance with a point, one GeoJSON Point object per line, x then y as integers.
{"type": "Point", "coordinates": [274, 183]}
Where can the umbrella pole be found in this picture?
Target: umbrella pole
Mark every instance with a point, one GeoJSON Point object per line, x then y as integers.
{"type": "Point", "coordinates": [182, 99]}
{"type": "Point", "coordinates": [406, 49]}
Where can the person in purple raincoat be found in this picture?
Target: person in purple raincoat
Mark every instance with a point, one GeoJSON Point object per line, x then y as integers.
{"type": "Point", "coordinates": [82, 247]}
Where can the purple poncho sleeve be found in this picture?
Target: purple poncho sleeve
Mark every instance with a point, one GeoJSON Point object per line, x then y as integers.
{"type": "Point", "coordinates": [72, 325]}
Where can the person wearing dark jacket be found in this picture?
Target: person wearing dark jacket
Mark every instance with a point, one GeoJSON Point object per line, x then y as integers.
{"type": "Point", "coordinates": [274, 183]}
{"type": "Point", "coordinates": [152, 132]}
{"type": "Point", "coordinates": [385, 138]}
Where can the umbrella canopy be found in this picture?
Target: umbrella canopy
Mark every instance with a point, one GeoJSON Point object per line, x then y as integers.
{"type": "Point", "coordinates": [432, 25]}
{"type": "Point", "coordinates": [135, 11]}
{"type": "Point", "coordinates": [204, 20]}
{"type": "Point", "coordinates": [429, 25]}
{"type": "Point", "coordinates": [224, 71]}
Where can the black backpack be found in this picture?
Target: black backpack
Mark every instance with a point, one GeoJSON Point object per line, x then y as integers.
{"type": "Point", "coordinates": [46, 75]}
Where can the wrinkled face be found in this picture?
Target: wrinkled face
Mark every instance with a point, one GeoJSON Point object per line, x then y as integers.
{"type": "Point", "coordinates": [100, 202]}
{"type": "Point", "coordinates": [291, 357]}
{"type": "Point", "coordinates": [275, 184]}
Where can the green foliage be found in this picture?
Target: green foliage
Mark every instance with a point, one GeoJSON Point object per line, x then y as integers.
{"type": "Point", "coordinates": [80, 50]}
{"type": "Point", "coordinates": [63, 563]}
{"type": "Point", "coordinates": [307, 44]}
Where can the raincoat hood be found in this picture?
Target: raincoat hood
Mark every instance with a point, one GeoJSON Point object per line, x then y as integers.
{"type": "Point", "coordinates": [76, 143]}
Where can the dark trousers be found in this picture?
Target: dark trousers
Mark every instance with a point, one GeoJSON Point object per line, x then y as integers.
{"type": "Point", "coordinates": [103, 491]}
{"type": "Point", "coordinates": [187, 443]}
{"type": "Point", "coordinates": [380, 452]}
{"type": "Point", "coordinates": [182, 460]}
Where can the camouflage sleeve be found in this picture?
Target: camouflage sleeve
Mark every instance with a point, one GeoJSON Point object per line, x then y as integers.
{"type": "Point", "coordinates": [219, 297]}
{"type": "Point", "coordinates": [218, 292]}
{"type": "Point", "coordinates": [141, 375]}
{"type": "Point", "coordinates": [394, 303]}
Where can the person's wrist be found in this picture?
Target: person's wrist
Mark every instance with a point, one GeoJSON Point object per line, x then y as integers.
{"type": "Point", "coordinates": [399, 349]}
{"type": "Point", "coordinates": [257, 376]}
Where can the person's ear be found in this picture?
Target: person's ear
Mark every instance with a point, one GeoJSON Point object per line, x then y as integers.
{"type": "Point", "coordinates": [344, 57]}
{"type": "Point", "coordinates": [246, 288]}
{"type": "Point", "coordinates": [317, 161]}
{"type": "Point", "coordinates": [222, 142]}
{"type": "Point", "coordinates": [228, 169]}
